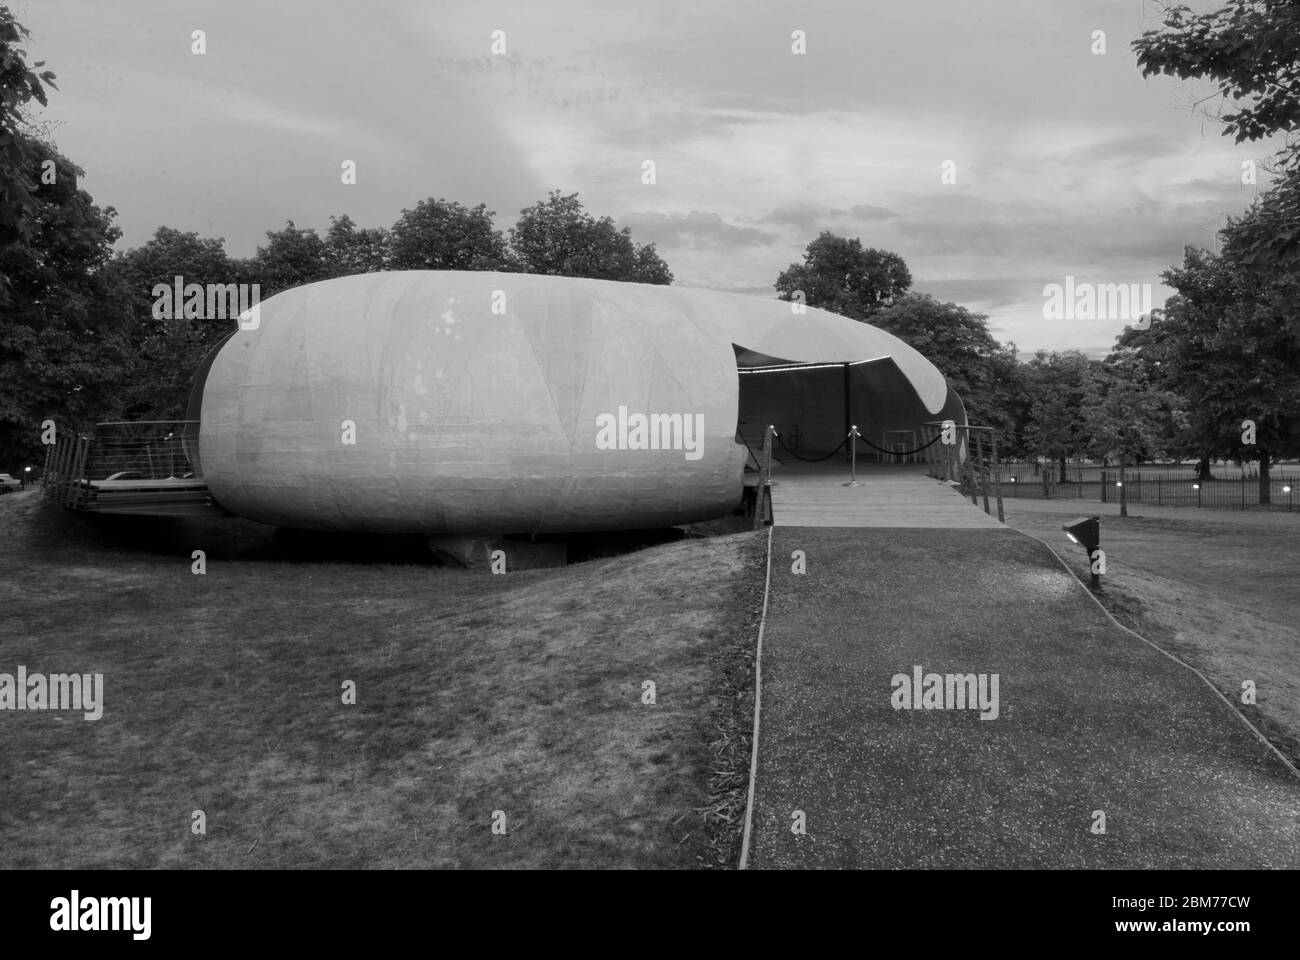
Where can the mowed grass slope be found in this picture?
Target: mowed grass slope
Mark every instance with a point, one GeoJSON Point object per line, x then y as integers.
{"type": "Point", "coordinates": [1216, 589]}
{"type": "Point", "coordinates": [475, 693]}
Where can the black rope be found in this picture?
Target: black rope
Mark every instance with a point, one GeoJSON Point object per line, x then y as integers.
{"type": "Point", "coordinates": [899, 453]}
{"type": "Point", "coordinates": [781, 440]}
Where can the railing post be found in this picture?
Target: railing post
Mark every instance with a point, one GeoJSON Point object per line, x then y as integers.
{"type": "Point", "coordinates": [983, 477]}
{"type": "Point", "coordinates": [997, 476]}
{"type": "Point", "coordinates": [83, 450]}
{"type": "Point", "coordinates": [768, 436]}
{"type": "Point", "coordinates": [973, 468]}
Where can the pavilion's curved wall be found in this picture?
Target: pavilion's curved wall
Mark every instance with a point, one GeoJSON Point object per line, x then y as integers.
{"type": "Point", "coordinates": [466, 419]}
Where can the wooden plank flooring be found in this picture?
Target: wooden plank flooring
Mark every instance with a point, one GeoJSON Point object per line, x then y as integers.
{"type": "Point", "coordinates": [890, 496]}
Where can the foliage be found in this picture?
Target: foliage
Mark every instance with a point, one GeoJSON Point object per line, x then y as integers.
{"type": "Point", "coordinates": [1058, 385]}
{"type": "Point", "coordinates": [557, 236]}
{"type": "Point", "coordinates": [842, 276]}
{"type": "Point", "coordinates": [444, 235]}
{"type": "Point", "coordinates": [65, 338]}
{"type": "Point", "coordinates": [19, 85]}
{"type": "Point", "coordinates": [985, 373]}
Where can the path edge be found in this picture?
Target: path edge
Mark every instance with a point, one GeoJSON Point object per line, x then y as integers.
{"type": "Point", "coordinates": [758, 700]}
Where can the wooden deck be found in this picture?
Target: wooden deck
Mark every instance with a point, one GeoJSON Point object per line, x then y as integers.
{"type": "Point", "coordinates": [891, 495]}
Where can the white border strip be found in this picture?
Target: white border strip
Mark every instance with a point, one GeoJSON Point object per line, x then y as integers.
{"type": "Point", "coordinates": [1217, 692]}
{"type": "Point", "coordinates": [758, 699]}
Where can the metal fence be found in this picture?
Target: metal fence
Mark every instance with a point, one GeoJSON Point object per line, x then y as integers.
{"type": "Point", "coordinates": [1241, 493]}
{"type": "Point", "coordinates": [142, 450]}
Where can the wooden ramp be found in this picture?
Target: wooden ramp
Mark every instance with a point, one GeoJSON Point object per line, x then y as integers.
{"type": "Point", "coordinates": [891, 495]}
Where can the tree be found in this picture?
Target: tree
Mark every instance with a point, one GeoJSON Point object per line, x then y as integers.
{"type": "Point", "coordinates": [1142, 355]}
{"type": "Point", "coordinates": [290, 258]}
{"type": "Point", "coordinates": [1232, 357]}
{"type": "Point", "coordinates": [65, 335]}
{"type": "Point", "coordinates": [1058, 386]}
{"type": "Point", "coordinates": [842, 276]}
{"type": "Point", "coordinates": [443, 235]}
{"type": "Point", "coordinates": [985, 374]}
{"type": "Point", "coordinates": [1123, 415]}
{"type": "Point", "coordinates": [1252, 48]}
{"type": "Point", "coordinates": [19, 85]}
{"type": "Point", "coordinates": [556, 236]}
{"type": "Point", "coordinates": [350, 249]}
{"type": "Point", "coordinates": [169, 348]}
{"type": "Point", "coordinates": [1121, 423]}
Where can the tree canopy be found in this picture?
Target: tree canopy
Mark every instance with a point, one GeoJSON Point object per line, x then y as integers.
{"type": "Point", "coordinates": [842, 276]}
{"type": "Point", "coordinates": [557, 236]}
{"type": "Point", "coordinates": [19, 85]}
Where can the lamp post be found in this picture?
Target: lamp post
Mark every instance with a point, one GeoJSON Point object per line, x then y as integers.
{"type": "Point", "coordinates": [27, 476]}
{"type": "Point", "coordinates": [1086, 531]}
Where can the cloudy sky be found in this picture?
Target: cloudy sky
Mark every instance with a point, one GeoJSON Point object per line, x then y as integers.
{"type": "Point", "coordinates": [1067, 163]}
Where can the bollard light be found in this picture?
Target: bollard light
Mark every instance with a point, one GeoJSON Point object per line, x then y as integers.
{"type": "Point", "coordinates": [1086, 532]}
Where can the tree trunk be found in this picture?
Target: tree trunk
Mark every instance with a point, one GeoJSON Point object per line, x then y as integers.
{"type": "Point", "coordinates": [1062, 465]}
{"type": "Point", "coordinates": [1264, 464]}
{"type": "Point", "coordinates": [1203, 469]}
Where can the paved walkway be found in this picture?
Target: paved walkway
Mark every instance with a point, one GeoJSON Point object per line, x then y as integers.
{"type": "Point", "coordinates": [1089, 719]}
{"type": "Point", "coordinates": [807, 495]}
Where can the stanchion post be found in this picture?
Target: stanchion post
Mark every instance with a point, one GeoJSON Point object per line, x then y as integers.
{"type": "Point", "coordinates": [853, 457]}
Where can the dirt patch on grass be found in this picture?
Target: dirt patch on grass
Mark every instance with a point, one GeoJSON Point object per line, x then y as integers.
{"type": "Point", "coordinates": [474, 694]}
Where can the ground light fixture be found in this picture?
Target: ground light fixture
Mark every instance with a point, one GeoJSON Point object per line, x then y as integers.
{"type": "Point", "coordinates": [1086, 531]}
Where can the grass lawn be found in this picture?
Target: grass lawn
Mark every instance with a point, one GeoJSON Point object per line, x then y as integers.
{"type": "Point", "coordinates": [1216, 589]}
{"type": "Point", "coordinates": [474, 693]}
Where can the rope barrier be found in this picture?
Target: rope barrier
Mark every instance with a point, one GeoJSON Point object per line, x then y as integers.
{"type": "Point", "coordinates": [810, 459]}
{"type": "Point", "coordinates": [899, 453]}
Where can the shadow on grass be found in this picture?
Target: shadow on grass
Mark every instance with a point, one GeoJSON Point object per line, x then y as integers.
{"type": "Point", "coordinates": [47, 530]}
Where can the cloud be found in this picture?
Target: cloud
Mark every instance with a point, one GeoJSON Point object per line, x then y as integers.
{"type": "Point", "coordinates": [697, 229]}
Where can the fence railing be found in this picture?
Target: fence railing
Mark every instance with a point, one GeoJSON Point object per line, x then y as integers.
{"type": "Point", "coordinates": [143, 450]}
{"type": "Point", "coordinates": [1239, 494]}
{"type": "Point", "coordinates": [139, 451]}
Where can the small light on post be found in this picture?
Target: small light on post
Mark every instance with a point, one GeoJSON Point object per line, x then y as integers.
{"type": "Point", "coordinates": [1086, 531]}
